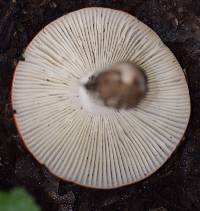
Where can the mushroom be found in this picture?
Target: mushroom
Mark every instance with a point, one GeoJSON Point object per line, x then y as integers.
{"type": "Point", "coordinates": [100, 100]}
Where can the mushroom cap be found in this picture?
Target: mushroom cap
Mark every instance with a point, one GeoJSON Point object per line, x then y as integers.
{"type": "Point", "coordinates": [96, 146]}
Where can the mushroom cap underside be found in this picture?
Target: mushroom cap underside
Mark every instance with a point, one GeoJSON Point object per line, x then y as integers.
{"type": "Point", "coordinates": [79, 141]}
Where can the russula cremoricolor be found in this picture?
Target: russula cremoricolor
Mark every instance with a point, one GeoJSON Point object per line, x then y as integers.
{"type": "Point", "coordinates": [73, 127]}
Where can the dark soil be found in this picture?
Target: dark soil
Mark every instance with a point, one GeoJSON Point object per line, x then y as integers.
{"type": "Point", "coordinates": [176, 186]}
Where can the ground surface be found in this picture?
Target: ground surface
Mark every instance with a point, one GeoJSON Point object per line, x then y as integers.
{"type": "Point", "coordinates": [176, 186]}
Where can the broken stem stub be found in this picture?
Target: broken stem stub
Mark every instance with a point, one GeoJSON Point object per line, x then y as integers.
{"type": "Point", "coordinates": [123, 85]}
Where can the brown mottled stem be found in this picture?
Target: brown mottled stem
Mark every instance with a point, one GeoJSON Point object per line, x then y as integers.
{"type": "Point", "coordinates": [121, 86]}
